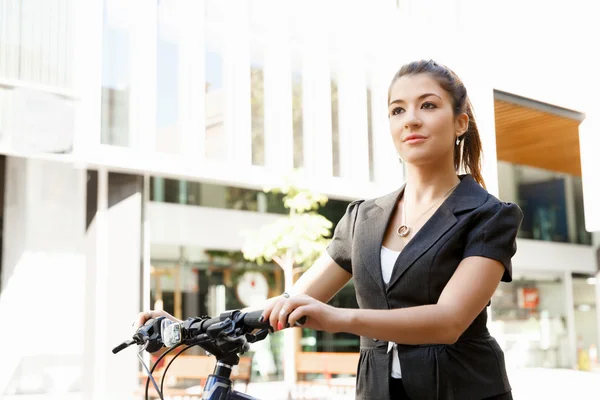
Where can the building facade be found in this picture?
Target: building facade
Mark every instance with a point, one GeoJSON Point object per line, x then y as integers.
{"type": "Point", "coordinates": [131, 130]}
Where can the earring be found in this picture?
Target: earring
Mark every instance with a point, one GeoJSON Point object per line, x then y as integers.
{"type": "Point", "coordinates": [457, 141]}
{"type": "Point", "coordinates": [400, 159]}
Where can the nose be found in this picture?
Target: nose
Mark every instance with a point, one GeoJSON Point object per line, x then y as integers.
{"type": "Point", "coordinates": [412, 120]}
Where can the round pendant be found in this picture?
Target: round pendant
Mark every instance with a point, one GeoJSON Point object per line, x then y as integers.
{"type": "Point", "coordinates": [403, 231]}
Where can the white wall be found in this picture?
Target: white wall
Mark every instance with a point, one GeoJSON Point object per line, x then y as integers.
{"type": "Point", "coordinates": [112, 300]}
{"type": "Point", "coordinates": [507, 187]}
{"type": "Point", "coordinates": [540, 256]}
{"type": "Point", "coordinates": [214, 228]}
{"type": "Point", "coordinates": [490, 47]}
{"type": "Point", "coordinates": [585, 321]}
{"type": "Point", "coordinates": [43, 269]}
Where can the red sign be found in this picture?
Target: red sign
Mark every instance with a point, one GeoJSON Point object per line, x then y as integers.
{"type": "Point", "coordinates": [529, 298]}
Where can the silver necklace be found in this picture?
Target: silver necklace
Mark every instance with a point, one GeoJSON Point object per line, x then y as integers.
{"type": "Point", "coordinates": [403, 230]}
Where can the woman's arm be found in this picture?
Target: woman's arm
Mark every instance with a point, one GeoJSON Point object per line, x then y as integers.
{"type": "Point", "coordinates": [464, 297]}
{"type": "Point", "coordinates": [323, 280]}
{"type": "Point", "coordinates": [320, 282]}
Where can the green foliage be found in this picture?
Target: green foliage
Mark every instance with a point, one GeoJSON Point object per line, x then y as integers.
{"type": "Point", "coordinates": [303, 234]}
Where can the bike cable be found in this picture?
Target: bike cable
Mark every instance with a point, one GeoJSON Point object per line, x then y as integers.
{"type": "Point", "coordinates": [150, 377]}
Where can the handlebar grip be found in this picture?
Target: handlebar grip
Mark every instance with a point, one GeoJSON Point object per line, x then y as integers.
{"type": "Point", "coordinates": [122, 346]}
{"type": "Point", "coordinates": [252, 320]}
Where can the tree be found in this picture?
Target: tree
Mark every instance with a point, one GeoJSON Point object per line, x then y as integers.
{"type": "Point", "coordinates": [297, 239]}
{"type": "Point", "coordinates": [293, 242]}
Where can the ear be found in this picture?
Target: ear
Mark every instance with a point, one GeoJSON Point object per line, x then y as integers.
{"type": "Point", "coordinates": [461, 124]}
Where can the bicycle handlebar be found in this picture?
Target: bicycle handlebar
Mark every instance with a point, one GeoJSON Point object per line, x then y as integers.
{"type": "Point", "coordinates": [224, 337]}
{"type": "Point", "coordinates": [228, 324]}
{"type": "Point", "coordinates": [252, 320]}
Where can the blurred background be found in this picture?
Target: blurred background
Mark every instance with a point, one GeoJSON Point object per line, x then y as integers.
{"type": "Point", "coordinates": [137, 138]}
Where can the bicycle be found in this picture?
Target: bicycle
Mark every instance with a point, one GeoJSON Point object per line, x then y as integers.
{"type": "Point", "coordinates": [225, 337]}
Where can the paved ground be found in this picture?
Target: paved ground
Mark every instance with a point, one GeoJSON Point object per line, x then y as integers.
{"type": "Point", "coordinates": [528, 384]}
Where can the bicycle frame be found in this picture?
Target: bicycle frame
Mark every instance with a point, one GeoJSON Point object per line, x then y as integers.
{"type": "Point", "coordinates": [218, 385]}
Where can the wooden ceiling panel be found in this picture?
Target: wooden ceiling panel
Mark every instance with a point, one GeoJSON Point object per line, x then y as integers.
{"type": "Point", "coordinates": [540, 139]}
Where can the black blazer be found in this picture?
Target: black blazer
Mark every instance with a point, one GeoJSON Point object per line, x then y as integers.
{"type": "Point", "coordinates": [470, 222]}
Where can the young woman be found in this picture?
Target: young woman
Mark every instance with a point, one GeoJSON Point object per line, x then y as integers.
{"type": "Point", "coordinates": [425, 259]}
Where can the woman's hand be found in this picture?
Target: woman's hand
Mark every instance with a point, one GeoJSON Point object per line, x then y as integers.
{"type": "Point", "coordinates": [285, 311]}
{"type": "Point", "coordinates": [146, 315]}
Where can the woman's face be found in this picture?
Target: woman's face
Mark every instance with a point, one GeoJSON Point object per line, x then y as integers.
{"type": "Point", "coordinates": [422, 121]}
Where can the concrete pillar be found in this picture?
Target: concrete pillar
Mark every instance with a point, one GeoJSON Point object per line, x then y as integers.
{"type": "Point", "coordinates": [87, 25]}
{"type": "Point", "coordinates": [352, 102]}
{"type": "Point", "coordinates": [237, 85]}
{"type": "Point", "coordinates": [316, 97]}
{"type": "Point", "coordinates": [191, 89]}
{"type": "Point", "coordinates": [570, 313]}
{"type": "Point", "coordinates": [43, 270]}
{"type": "Point", "coordinates": [507, 182]}
{"type": "Point", "coordinates": [596, 244]}
{"type": "Point", "coordinates": [143, 72]}
{"type": "Point", "coordinates": [279, 151]}
{"type": "Point", "coordinates": [113, 285]}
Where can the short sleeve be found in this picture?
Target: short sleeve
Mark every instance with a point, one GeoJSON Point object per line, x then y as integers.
{"type": "Point", "coordinates": [494, 233]}
{"type": "Point", "coordinates": [340, 248]}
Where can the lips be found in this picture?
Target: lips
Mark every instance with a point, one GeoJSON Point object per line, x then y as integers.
{"type": "Point", "coordinates": [414, 138]}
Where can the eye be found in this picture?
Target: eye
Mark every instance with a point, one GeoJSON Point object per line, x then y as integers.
{"type": "Point", "coordinates": [397, 110]}
{"type": "Point", "coordinates": [428, 106]}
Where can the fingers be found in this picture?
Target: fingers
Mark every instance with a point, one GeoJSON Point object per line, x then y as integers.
{"type": "Point", "coordinates": [275, 313]}
{"type": "Point", "coordinates": [288, 306]}
{"type": "Point", "coordinates": [267, 308]}
{"type": "Point", "coordinates": [295, 315]}
{"type": "Point", "coordinates": [144, 316]}
{"type": "Point", "coordinates": [141, 319]}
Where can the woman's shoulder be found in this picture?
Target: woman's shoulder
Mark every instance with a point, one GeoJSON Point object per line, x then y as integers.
{"type": "Point", "coordinates": [366, 204]}
{"type": "Point", "coordinates": [485, 202]}
{"type": "Point", "coordinates": [495, 205]}
{"type": "Point", "coordinates": [496, 212]}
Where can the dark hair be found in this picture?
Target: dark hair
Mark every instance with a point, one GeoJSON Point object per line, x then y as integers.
{"type": "Point", "coordinates": [451, 83]}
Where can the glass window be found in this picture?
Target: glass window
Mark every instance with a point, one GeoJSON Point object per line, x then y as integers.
{"type": "Point", "coordinates": [335, 130]}
{"type": "Point", "coordinates": [115, 73]}
{"type": "Point", "coordinates": [217, 196]}
{"type": "Point", "coordinates": [215, 140]}
{"type": "Point", "coordinates": [230, 197]}
{"type": "Point", "coordinates": [586, 325]}
{"type": "Point", "coordinates": [193, 281]}
{"type": "Point", "coordinates": [370, 134]}
{"type": "Point", "coordinates": [297, 114]}
{"type": "Point", "coordinates": [257, 104]}
{"type": "Point", "coordinates": [168, 136]}
{"type": "Point", "coordinates": [214, 9]}
{"type": "Point", "coordinates": [91, 194]}
{"type": "Point", "coordinates": [544, 209]}
{"type": "Point", "coordinates": [552, 203]}
{"type": "Point", "coordinates": [583, 236]}
{"type": "Point", "coordinates": [2, 184]}
{"type": "Point", "coordinates": [529, 322]}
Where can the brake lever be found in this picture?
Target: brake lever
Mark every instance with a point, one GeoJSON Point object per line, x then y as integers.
{"type": "Point", "coordinates": [258, 336]}
{"type": "Point", "coordinates": [122, 346]}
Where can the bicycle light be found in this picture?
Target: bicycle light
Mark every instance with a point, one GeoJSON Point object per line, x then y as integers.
{"type": "Point", "coordinates": [170, 332]}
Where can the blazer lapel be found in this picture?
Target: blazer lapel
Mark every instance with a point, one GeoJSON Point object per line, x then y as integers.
{"type": "Point", "coordinates": [437, 225]}
{"type": "Point", "coordinates": [467, 196]}
{"type": "Point", "coordinates": [370, 234]}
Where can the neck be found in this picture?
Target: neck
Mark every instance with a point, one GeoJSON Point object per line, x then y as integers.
{"type": "Point", "coordinates": [424, 185]}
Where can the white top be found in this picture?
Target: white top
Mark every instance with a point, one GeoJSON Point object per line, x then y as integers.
{"type": "Point", "coordinates": [388, 259]}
